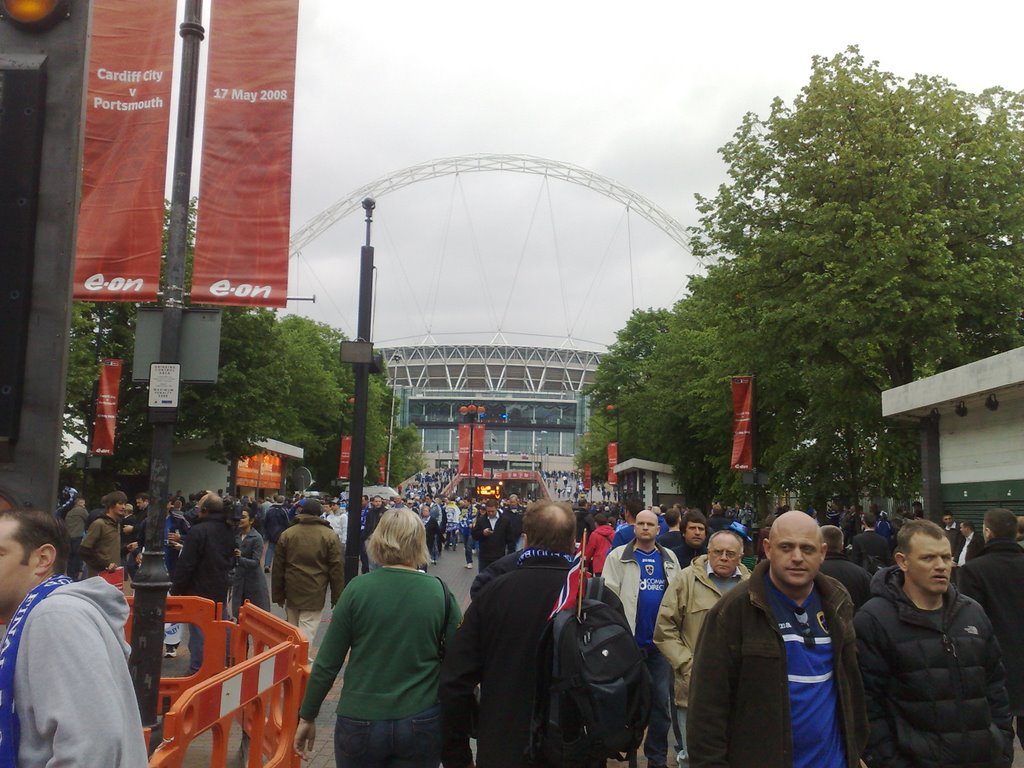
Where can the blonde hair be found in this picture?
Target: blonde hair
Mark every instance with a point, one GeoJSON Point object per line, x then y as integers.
{"type": "Point", "coordinates": [399, 539]}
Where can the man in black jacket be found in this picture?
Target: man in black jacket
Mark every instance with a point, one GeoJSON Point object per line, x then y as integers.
{"type": "Point", "coordinates": [870, 550]}
{"type": "Point", "coordinates": [837, 565]}
{"type": "Point", "coordinates": [933, 678]}
{"type": "Point", "coordinates": [994, 578]}
{"type": "Point", "coordinates": [496, 647]}
{"type": "Point", "coordinates": [204, 564]}
{"type": "Point", "coordinates": [494, 533]}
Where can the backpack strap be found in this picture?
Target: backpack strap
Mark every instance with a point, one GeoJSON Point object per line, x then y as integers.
{"type": "Point", "coordinates": [442, 640]}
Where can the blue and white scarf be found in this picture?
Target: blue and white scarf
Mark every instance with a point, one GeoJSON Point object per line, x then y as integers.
{"type": "Point", "coordinates": [10, 728]}
{"type": "Point", "coordinates": [530, 552]}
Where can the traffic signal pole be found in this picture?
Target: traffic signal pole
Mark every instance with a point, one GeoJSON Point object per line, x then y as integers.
{"type": "Point", "coordinates": [42, 107]}
{"type": "Point", "coordinates": [152, 581]}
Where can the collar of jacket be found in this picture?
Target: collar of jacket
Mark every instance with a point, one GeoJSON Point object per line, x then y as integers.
{"type": "Point", "coordinates": [890, 587]}
{"type": "Point", "coordinates": [628, 556]}
{"type": "Point", "coordinates": [831, 598]}
{"type": "Point", "coordinates": [305, 519]}
{"type": "Point", "coordinates": [556, 563]}
{"type": "Point", "coordinates": [1002, 545]}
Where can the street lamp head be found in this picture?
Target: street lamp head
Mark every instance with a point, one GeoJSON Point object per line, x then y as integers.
{"type": "Point", "coordinates": [369, 204]}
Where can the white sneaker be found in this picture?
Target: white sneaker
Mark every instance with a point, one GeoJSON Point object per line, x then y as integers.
{"type": "Point", "coordinates": [682, 759]}
{"type": "Point", "coordinates": [170, 653]}
{"type": "Point", "coordinates": [469, 565]}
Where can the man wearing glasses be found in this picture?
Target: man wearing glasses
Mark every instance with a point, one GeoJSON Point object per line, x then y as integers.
{"type": "Point", "coordinates": [779, 651]}
{"type": "Point", "coordinates": [684, 609]}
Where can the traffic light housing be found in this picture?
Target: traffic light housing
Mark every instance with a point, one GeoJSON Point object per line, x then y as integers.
{"type": "Point", "coordinates": [43, 57]}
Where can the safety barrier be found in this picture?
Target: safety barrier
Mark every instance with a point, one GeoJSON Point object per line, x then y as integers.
{"type": "Point", "coordinates": [254, 674]}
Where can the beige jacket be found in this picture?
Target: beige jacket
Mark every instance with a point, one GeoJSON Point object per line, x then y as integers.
{"type": "Point", "coordinates": [622, 576]}
{"type": "Point", "coordinates": [684, 608]}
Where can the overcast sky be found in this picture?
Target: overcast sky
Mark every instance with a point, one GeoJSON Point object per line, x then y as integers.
{"type": "Point", "coordinates": [643, 93]}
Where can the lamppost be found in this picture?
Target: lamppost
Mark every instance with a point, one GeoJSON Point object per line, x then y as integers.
{"type": "Point", "coordinates": [540, 456]}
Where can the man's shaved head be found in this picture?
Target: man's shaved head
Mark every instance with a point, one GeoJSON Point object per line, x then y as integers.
{"type": "Point", "coordinates": [793, 522]}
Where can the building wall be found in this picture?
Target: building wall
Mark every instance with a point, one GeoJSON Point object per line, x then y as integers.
{"type": "Point", "coordinates": [983, 446]}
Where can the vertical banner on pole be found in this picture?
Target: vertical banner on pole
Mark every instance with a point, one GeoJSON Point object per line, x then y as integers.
{"type": "Point", "coordinates": [478, 450]}
{"type": "Point", "coordinates": [106, 407]}
{"type": "Point", "coordinates": [345, 457]}
{"type": "Point", "coordinates": [128, 107]}
{"type": "Point", "coordinates": [588, 480]}
{"type": "Point", "coordinates": [464, 449]}
{"type": "Point", "coordinates": [742, 423]}
{"type": "Point", "coordinates": [613, 459]}
{"type": "Point", "coordinates": [381, 467]}
{"type": "Point", "coordinates": [241, 255]}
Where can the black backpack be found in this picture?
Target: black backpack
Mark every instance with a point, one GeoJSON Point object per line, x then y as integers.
{"type": "Point", "coordinates": [593, 696]}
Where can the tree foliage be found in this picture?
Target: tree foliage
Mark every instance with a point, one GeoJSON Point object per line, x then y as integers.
{"type": "Point", "coordinates": [870, 234]}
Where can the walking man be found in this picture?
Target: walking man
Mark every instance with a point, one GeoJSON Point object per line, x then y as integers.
{"type": "Point", "coordinates": [308, 560]}
{"type": "Point", "coordinates": [778, 651]}
{"type": "Point", "coordinates": [933, 677]}
{"type": "Point", "coordinates": [640, 572]}
{"type": "Point", "coordinates": [685, 608]}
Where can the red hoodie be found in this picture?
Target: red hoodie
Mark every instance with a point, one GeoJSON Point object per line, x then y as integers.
{"type": "Point", "coordinates": [598, 544]}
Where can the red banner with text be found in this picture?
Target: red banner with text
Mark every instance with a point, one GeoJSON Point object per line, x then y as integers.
{"type": "Point", "coordinates": [742, 423]}
{"type": "Point", "coordinates": [107, 396]}
{"type": "Point", "coordinates": [345, 457]}
{"type": "Point", "coordinates": [124, 162]}
{"type": "Point", "coordinates": [588, 480]}
{"type": "Point", "coordinates": [382, 468]}
{"type": "Point", "coordinates": [613, 459]}
{"type": "Point", "coordinates": [464, 449]}
{"type": "Point", "coordinates": [478, 450]}
{"type": "Point", "coordinates": [241, 255]}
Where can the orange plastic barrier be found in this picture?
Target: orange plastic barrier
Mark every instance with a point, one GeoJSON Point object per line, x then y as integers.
{"type": "Point", "coordinates": [253, 673]}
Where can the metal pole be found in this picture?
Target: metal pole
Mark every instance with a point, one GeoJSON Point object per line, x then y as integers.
{"type": "Point", "coordinates": [359, 409]}
{"type": "Point", "coordinates": [152, 581]}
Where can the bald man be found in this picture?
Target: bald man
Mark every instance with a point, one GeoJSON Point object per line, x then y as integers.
{"type": "Point", "coordinates": [640, 573]}
{"type": "Point", "coordinates": [778, 654]}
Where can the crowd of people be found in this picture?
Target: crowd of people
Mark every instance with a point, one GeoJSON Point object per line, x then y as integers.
{"type": "Point", "coordinates": [848, 638]}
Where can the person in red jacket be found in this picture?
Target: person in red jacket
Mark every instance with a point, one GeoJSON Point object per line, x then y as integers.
{"type": "Point", "coordinates": [598, 544]}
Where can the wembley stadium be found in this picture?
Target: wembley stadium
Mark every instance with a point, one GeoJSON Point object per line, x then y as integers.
{"type": "Point", "coordinates": [535, 411]}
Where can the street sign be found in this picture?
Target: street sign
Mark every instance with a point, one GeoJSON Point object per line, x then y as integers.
{"type": "Point", "coordinates": [163, 385]}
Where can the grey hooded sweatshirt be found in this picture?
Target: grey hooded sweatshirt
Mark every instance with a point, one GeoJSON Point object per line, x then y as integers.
{"type": "Point", "coordinates": [72, 692]}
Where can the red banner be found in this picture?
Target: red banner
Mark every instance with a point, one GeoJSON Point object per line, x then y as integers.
{"type": "Point", "coordinates": [241, 255]}
{"type": "Point", "coordinates": [742, 423]}
{"type": "Point", "coordinates": [124, 165]}
{"type": "Point", "coordinates": [106, 408]}
{"type": "Point", "coordinates": [345, 459]}
{"type": "Point", "coordinates": [381, 467]}
{"type": "Point", "coordinates": [613, 459]}
{"type": "Point", "coordinates": [463, 449]}
{"type": "Point", "coordinates": [478, 450]}
{"type": "Point", "coordinates": [588, 480]}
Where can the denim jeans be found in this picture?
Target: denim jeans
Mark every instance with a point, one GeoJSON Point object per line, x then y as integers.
{"type": "Point", "coordinates": [412, 742]}
{"type": "Point", "coordinates": [467, 545]}
{"type": "Point", "coordinates": [656, 743]}
{"type": "Point", "coordinates": [195, 648]}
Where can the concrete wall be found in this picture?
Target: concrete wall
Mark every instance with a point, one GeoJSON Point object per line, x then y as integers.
{"type": "Point", "coordinates": [983, 445]}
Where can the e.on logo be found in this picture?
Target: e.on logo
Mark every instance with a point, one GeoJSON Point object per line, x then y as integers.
{"type": "Point", "coordinates": [241, 291]}
{"type": "Point", "coordinates": [119, 284]}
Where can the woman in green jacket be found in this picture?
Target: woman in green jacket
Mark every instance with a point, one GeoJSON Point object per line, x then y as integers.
{"type": "Point", "coordinates": [392, 621]}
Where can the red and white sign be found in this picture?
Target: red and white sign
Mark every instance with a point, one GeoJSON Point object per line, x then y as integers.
{"type": "Point", "coordinates": [478, 450]}
{"type": "Point", "coordinates": [107, 397]}
{"type": "Point", "coordinates": [127, 110]}
{"type": "Point", "coordinates": [588, 480]}
{"type": "Point", "coordinates": [345, 458]}
{"type": "Point", "coordinates": [464, 449]}
{"type": "Point", "coordinates": [742, 423]}
{"type": "Point", "coordinates": [613, 459]}
{"type": "Point", "coordinates": [241, 255]}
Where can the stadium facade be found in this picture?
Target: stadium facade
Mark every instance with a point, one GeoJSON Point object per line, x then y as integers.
{"type": "Point", "coordinates": [536, 411]}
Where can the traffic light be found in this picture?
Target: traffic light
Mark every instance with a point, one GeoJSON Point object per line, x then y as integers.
{"type": "Point", "coordinates": [43, 55]}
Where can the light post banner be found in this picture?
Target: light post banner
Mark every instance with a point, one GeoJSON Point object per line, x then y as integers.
{"type": "Point", "coordinates": [127, 110]}
{"type": "Point", "coordinates": [241, 255]}
{"type": "Point", "coordinates": [613, 459]}
{"type": "Point", "coordinates": [587, 478]}
{"type": "Point", "coordinates": [107, 396]}
{"type": "Point", "coordinates": [742, 423]}
{"type": "Point", "coordinates": [464, 448]}
{"type": "Point", "coordinates": [478, 450]}
{"type": "Point", "coordinates": [345, 458]}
